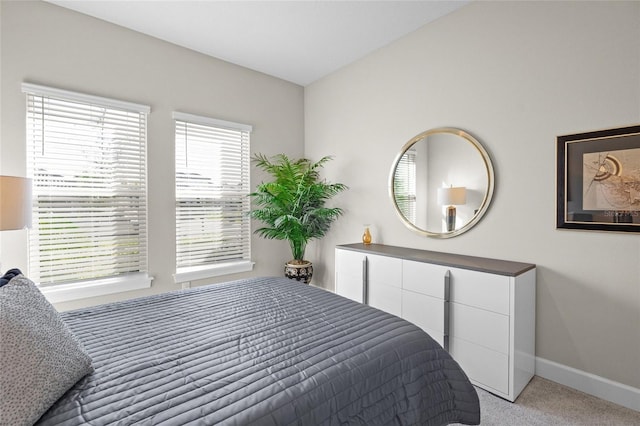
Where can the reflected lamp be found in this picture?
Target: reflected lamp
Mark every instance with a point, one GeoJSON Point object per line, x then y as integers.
{"type": "Point", "coordinates": [451, 197]}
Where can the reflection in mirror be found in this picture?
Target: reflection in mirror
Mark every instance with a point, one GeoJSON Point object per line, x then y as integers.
{"type": "Point", "coordinates": [442, 182]}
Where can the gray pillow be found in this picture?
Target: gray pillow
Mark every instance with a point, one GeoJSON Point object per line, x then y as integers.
{"type": "Point", "coordinates": [40, 359]}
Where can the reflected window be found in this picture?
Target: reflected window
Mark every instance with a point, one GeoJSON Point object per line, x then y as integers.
{"type": "Point", "coordinates": [405, 185]}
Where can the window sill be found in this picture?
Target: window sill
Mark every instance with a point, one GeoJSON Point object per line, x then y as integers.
{"type": "Point", "coordinates": [209, 271]}
{"type": "Point", "coordinates": [93, 288]}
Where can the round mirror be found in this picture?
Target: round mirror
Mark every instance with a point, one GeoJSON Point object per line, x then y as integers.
{"type": "Point", "coordinates": [442, 182]}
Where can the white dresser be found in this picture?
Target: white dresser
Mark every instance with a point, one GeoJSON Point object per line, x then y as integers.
{"type": "Point", "coordinates": [481, 310]}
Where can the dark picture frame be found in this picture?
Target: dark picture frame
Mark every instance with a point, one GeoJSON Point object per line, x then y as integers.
{"type": "Point", "coordinates": [598, 180]}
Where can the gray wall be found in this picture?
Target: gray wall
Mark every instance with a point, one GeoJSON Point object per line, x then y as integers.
{"type": "Point", "coordinates": [515, 75]}
{"type": "Point", "coordinates": [46, 44]}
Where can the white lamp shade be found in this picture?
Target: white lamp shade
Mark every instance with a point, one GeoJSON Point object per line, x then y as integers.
{"type": "Point", "coordinates": [15, 203]}
{"type": "Point", "coordinates": [452, 196]}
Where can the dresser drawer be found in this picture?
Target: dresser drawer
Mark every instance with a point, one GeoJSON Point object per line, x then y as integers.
{"type": "Point", "coordinates": [480, 327]}
{"type": "Point", "coordinates": [349, 262]}
{"type": "Point", "coordinates": [479, 289]}
{"type": "Point", "coordinates": [384, 270]}
{"type": "Point", "coordinates": [423, 278]}
{"type": "Point", "coordinates": [483, 366]}
{"type": "Point", "coordinates": [386, 298]}
{"type": "Point", "coordinates": [424, 311]}
{"type": "Point", "coordinates": [349, 274]}
{"type": "Point", "coordinates": [384, 283]}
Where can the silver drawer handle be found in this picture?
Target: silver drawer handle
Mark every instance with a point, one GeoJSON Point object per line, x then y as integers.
{"type": "Point", "coordinates": [447, 292]}
{"type": "Point", "coordinates": [365, 281]}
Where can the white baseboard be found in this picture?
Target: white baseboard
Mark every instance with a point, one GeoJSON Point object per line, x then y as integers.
{"type": "Point", "coordinates": [606, 389]}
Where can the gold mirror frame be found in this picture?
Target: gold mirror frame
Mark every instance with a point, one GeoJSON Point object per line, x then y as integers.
{"type": "Point", "coordinates": [484, 205]}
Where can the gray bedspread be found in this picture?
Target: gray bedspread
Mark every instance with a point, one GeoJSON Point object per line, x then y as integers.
{"type": "Point", "coordinates": [262, 351]}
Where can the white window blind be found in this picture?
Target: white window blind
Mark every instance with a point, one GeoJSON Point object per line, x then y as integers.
{"type": "Point", "coordinates": [405, 185]}
{"type": "Point", "coordinates": [212, 187]}
{"type": "Point", "coordinates": [87, 158]}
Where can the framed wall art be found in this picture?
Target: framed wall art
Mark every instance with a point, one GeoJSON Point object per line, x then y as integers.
{"type": "Point", "coordinates": [598, 180]}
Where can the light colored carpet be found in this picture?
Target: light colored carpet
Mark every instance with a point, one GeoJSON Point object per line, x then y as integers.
{"type": "Point", "coordinates": [548, 403]}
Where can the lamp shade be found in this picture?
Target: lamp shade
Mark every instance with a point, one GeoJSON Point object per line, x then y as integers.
{"type": "Point", "coordinates": [15, 203]}
{"type": "Point", "coordinates": [452, 196]}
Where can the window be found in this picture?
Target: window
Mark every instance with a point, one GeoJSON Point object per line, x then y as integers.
{"type": "Point", "coordinates": [213, 234]}
{"type": "Point", "coordinates": [87, 158]}
{"type": "Point", "coordinates": [405, 185]}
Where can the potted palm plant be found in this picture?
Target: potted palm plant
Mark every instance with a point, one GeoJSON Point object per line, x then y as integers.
{"type": "Point", "coordinates": [292, 206]}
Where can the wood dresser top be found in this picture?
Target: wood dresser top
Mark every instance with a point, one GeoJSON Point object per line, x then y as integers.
{"type": "Point", "coordinates": [482, 264]}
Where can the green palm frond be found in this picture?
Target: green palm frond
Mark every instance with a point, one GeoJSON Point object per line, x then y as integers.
{"type": "Point", "coordinates": [292, 205]}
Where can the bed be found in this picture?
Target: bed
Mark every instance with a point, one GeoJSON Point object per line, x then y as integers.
{"type": "Point", "coordinates": [260, 351]}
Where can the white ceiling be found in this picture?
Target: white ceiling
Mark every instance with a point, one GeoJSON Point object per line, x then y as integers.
{"type": "Point", "coordinates": [298, 41]}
